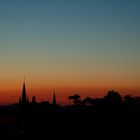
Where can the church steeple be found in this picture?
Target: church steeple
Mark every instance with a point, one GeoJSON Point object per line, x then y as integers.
{"type": "Point", "coordinates": [24, 93]}
{"type": "Point", "coordinates": [23, 98]}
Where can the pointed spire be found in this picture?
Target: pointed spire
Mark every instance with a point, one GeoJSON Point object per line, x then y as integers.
{"type": "Point", "coordinates": [54, 98]}
{"type": "Point", "coordinates": [24, 92]}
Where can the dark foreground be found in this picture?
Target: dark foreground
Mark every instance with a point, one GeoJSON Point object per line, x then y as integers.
{"type": "Point", "coordinates": [75, 122]}
{"type": "Point", "coordinates": [111, 117]}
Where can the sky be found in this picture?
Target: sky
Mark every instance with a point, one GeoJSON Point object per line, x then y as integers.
{"type": "Point", "coordinates": [75, 46]}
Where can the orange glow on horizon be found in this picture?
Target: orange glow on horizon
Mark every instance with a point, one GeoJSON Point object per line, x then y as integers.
{"type": "Point", "coordinates": [62, 93]}
{"type": "Point", "coordinates": [11, 89]}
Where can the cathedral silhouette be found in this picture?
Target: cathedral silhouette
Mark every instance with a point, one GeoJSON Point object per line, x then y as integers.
{"type": "Point", "coordinates": [24, 99]}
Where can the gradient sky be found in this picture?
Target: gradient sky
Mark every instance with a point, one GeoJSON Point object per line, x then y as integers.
{"type": "Point", "coordinates": [84, 46]}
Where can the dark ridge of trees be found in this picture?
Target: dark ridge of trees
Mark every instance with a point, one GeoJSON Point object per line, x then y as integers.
{"type": "Point", "coordinates": [86, 118]}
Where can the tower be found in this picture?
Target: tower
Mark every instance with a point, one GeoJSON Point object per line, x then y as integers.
{"type": "Point", "coordinates": [54, 99]}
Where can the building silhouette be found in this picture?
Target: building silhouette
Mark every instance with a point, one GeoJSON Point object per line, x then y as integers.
{"type": "Point", "coordinates": [24, 100]}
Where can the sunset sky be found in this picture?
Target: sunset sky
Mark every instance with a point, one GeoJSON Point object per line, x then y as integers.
{"type": "Point", "coordinates": [74, 46]}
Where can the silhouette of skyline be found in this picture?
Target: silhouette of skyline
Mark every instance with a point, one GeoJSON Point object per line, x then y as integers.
{"type": "Point", "coordinates": [39, 120]}
{"type": "Point", "coordinates": [62, 95]}
{"type": "Point", "coordinates": [24, 98]}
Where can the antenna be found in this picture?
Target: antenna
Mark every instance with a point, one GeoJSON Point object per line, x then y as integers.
{"type": "Point", "coordinates": [24, 79]}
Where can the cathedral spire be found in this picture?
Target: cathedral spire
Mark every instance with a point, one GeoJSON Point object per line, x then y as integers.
{"type": "Point", "coordinates": [24, 92]}
{"type": "Point", "coordinates": [23, 98]}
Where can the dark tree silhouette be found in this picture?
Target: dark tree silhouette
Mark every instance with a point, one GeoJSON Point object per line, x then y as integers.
{"type": "Point", "coordinates": [88, 101]}
{"type": "Point", "coordinates": [76, 99]}
{"type": "Point", "coordinates": [113, 97]}
{"type": "Point", "coordinates": [129, 99]}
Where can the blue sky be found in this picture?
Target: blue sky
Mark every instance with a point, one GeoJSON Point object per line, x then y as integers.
{"type": "Point", "coordinates": [90, 40]}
